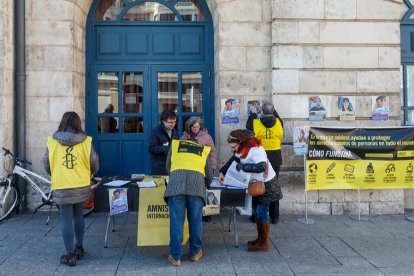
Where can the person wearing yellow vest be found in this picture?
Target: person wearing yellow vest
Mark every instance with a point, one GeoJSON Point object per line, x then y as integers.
{"type": "Point", "coordinates": [269, 129]}
{"type": "Point", "coordinates": [71, 161]}
{"type": "Point", "coordinates": [188, 165]}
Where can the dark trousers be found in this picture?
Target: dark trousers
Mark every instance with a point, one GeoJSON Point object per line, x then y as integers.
{"type": "Point", "coordinates": [274, 209]}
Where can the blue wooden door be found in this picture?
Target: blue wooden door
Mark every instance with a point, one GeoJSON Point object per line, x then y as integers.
{"type": "Point", "coordinates": [119, 117]}
{"type": "Point", "coordinates": [144, 57]}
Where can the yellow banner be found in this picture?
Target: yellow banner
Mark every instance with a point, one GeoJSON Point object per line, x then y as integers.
{"type": "Point", "coordinates": [360, 158]}
{"type": "Point", "coordinates": [153, 216]}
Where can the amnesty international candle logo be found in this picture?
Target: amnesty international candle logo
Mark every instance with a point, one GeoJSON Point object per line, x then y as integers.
{"type": "Point", "coordinates": [69, 159]}
{"type": "Point", "coordinates": [350, 158]}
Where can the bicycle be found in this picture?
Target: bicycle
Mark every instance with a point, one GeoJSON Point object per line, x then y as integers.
{"type": "Point", "coordinates": [9, 194]}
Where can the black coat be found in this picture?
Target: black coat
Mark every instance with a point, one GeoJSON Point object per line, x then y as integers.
{"type": "Point", "coordinates": [273, 191]}
{"type": "Point", "coordinates": [158, 146]}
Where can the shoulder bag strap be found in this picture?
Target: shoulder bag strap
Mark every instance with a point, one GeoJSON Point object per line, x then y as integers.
{"type": "Point", "coordinates": [266, 172]}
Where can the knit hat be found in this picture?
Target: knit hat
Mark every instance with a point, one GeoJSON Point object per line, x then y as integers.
{"type": "Point", "coordinates": [239, 135]}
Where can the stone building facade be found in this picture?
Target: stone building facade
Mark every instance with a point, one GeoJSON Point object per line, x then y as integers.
{"type": "Point", "coordinates": [281, 50]}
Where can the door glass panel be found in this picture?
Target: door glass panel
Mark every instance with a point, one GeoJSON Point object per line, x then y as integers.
{"type": "Point", "coordinates": [107, 124]}
{"type": "Point", "coordinates": [107, 101]}
{"type": "Point", "coordinates": [133, 92]}
{"type": "Point", "coordinates": [190, 10]}
{"type": "Point", "coordinates": [133, 125]}
{"type": "Point", "coordinates": [192, 100]}
{"type": "Point", "coordinates": [149, 11]}
{"type": "Point", "coordinates": [410, 85]}
{"type": "Point", "coordinates": [167, 91]}
{"type": "Point", "coordinates": [108, 9]}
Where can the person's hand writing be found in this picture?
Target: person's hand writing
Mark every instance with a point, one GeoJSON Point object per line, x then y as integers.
{"type": "Point", "coordinates": [221, 178]}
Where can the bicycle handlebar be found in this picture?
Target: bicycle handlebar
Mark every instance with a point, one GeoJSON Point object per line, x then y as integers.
{"type": "Point", "coordinates": [8, 152]}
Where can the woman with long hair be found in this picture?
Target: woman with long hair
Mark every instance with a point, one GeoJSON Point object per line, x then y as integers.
{"type": "Point", "coordinates": [251, 157]}
{"type": "Point", "coordinates": [71, 160]}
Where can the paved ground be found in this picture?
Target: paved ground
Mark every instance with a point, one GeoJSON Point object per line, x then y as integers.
{"type": "Point", "coordinates": [335, 245]}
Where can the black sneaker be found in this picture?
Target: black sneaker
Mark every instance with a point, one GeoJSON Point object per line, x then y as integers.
{"type": "Point", "coordinates": [274, 221]}
{"type": "Point", "coordinates": [79, 252]}
{"type": "Point", "coordinates": [252, 218]}
{"type": "Point", "coordinates": [68, 259]}
{"type": "Point", "coordinates": [207, 218]}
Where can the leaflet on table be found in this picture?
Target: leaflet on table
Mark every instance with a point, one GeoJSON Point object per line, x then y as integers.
{"type": "Point", "coordinates": [117, 183]}
{"type": "Point", "coordinates": [216, 185]}
{"type": "Point", "coordinates": [239, 179]}
{"type": "Point", "coordinates": [147, 184]}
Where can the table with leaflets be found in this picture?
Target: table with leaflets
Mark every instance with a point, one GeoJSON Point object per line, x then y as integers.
{"type": "Point", "coordinates": [146, 197]}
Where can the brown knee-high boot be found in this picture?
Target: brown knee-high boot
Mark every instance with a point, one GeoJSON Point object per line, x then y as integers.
{"type": "Point", "coordinates": [259, 235]}
{"type": "Point", "coordinates": [263, 243]}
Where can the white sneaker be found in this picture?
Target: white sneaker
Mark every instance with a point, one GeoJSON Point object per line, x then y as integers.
{"type": "Point", "coordinates": [243, 211]}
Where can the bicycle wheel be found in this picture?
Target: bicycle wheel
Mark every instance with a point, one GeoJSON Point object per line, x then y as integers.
{"type": "Point", "coordinates": [9, 198]}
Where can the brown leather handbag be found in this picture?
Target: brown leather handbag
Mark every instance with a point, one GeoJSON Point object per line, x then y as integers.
{"type": "Point", "coordinates": [257, 187]}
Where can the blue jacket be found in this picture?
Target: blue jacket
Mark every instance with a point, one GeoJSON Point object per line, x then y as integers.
{"type": "Point", "coordinates": [158, 146]}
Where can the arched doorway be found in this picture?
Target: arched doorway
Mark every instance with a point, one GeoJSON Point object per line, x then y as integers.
{"type": "Point", "coordinates": [144, 57]}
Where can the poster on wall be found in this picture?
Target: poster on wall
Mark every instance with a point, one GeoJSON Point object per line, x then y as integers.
{"type": "Point", "coordinates": [213, 203]}
{"type": "Point", "coordinates": [230, 111]}
{"type": "Point", "coordinates": [118, 201]}
{"type": "Point", "coordinates": [317, 109]}
{"type": "Point", "coordinates": [380, 108]}
{"type": "Point", "coordinates": [253, 106]}
{"type": "Point", "coordinates": [360, 158]}
{"type": "Point", "coordinates": [300, 140]}
{"type": "Point", "coordinates": [346, 109]}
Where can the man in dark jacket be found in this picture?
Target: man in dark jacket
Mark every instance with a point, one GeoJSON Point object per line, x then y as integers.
{"type": "Point", "coordinates": [160, 142]}
{"type": "Point", "coordinates": [269, 129]}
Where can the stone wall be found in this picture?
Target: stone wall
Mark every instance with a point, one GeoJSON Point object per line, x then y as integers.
{"type": "Point", "coordinates": [6, 75]}
{"type": "Point", "coordinates": [243, 63]}
{"type": "Point", "coordinates": [55, 53]}
{"type": "Point", "coordinates": [334, 48]}
{"type": "Point", "coordinates": [264, 49]}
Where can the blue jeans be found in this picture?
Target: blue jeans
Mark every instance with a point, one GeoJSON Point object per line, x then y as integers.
{"type": "Point", "coordinates": [261, 212]}
{"type": "Point", "coordinates": [71, 219]}
{"type": "Point", "coordinates": [178, 205]}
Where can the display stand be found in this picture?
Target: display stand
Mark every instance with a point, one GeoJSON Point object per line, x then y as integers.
{"type": "Point", "coordinates": [305, 220]}
{"type": "Point", "coordinates": [359, 217]}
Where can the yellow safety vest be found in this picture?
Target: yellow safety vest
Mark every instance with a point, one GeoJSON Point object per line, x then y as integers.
{"type": "Point", "coordinates": [69, 165]}
{"type": "Point", "coordinates": [271, 137]}
{"type": "Point", "coordinates": [188, 155]}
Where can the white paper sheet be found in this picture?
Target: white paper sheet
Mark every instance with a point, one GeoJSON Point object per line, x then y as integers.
{"type": "Point", "coordinates": [236, 179]}
{"type": "Point", "coordinates": [147, 184]}
{"type": "Point", "coordinates": [117, 183]}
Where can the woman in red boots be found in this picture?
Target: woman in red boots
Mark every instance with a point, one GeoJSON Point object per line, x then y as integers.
{"type": "Point", "coordinates": [251, 158]}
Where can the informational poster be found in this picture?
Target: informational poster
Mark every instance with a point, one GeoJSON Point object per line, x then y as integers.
{"type": "Point", "coordinates": [300, 140]}
{"type": "Point", "coordinates": [253, 106]}
{"type": "Point", "coordinates": [231, 111]}
{"type": "Point", "coordinates": [360, 158]}
{"type": "Point", "coordinates": [346, 108]}
{"type": "Point", "coordinates": [317, 109]}
{"type": "Point", "coordinates": [118, 200]}
{"type": "Point", "coordinates": [380, 108]}
{"type": "Point", "coordinates": [153, 216]}
{"type": "Point", "coordinates": [213, 203]}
